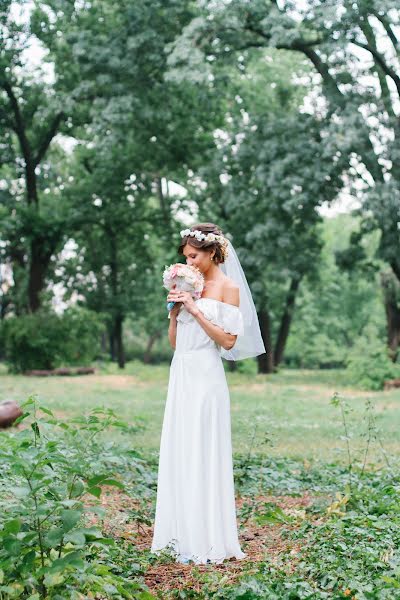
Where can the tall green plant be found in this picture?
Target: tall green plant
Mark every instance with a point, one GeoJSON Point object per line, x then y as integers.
{"type": "Point", "coordinates": [49, 470]}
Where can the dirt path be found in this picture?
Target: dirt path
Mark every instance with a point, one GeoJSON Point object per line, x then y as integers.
{"type": "Point", "coordinates": [258, 542]}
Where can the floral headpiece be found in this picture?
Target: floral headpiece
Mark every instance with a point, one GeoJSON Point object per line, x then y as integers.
{"type": "Point", "coordinates": [207, 237]}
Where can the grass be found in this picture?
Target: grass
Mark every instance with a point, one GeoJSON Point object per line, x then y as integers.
{"type": "Point", "coordinates": [291, 408]}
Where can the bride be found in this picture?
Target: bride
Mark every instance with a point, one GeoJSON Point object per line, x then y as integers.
{"type": "Point", "coordinates": [195, 510]}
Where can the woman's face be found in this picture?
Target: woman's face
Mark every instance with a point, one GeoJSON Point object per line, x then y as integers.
{"type": "Point", "coordinates": [196, 257]}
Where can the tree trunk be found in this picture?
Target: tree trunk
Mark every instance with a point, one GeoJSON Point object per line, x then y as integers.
{"type": "Point", "coordinates": [113, 354]}
{"type": "Point", "coordinates": [119, 345]}
{"type": "Point", "coordinates": [37, 270]}
{"type": "Point", "coordinates": [103, 342]}
{"type": "Point", "coordinates": [20, 302]}
{"type": "Point", "coordinates": [42, 247]}
{"type": "Point", "coordinates": [265, 361]}
{"type": "Point", "coordinates": [391, 301]}
{"type": "Point", "coordinates": [117, 352]}
{"type": "Point", "coordinates": [286, 320]}
{"type": "Point", "coordinates": [151, 341]}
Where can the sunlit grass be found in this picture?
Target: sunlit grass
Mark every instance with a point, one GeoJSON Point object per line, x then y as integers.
{"type": "Point", "coordinates": [289, 410]}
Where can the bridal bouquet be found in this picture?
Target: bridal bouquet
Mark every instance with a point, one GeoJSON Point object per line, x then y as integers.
{"type": "Point", "coordinates": [186, 279]}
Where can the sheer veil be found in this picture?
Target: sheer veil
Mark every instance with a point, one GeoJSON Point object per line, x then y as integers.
{"type": "Point", "coordinates": [249, 344]}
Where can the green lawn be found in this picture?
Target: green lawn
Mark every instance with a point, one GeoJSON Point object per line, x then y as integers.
{"type": "Point", "coordinates": [291, 408]}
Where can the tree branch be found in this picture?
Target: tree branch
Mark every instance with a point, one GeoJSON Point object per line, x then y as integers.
{"type": "Point", "coordinates": [328, 81]}
{"type": "Point", "coordinates": [51, 132]}
{"type": "Point", "coordinates": [388, 30]}
{"type": "Point", "coordinates": [19, 123]}
{"type": "Point", "coordinates": [369, 33]}
{"type": "Point", "coordinates": [380, 61]}
{"type": "Point", "coordinates": [31, 189]}
{"type": "Point", "coordinates": [333, 93]}
{"type": "Point", "coordinates": [368, 156]}
{"type": "Point", "coordinates": [396, 268]}
{"type": "Point", "coordinates": [87, 166]}
{"type": "Point", "coordinates": [300, 45]}
{"type": "Point", "coordinates": [293, 46]}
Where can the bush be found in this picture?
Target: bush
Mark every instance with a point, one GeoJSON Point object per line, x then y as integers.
{"type": "Point", "coordinates": [47, 549]}
{"type": "Point", "coordinates": [368, 364]}
{"type": "Point", "coordinates": [45, 340]}
{"type": "Point", "coordinates": [319, 351]}
{"type": "Point", "coordinates": [82, 331]}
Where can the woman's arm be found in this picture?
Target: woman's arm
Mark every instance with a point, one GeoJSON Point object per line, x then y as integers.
{"type": "Point", "coordinates": [230, 296]}
{"type": "Point", "coordinates": [226, 340]}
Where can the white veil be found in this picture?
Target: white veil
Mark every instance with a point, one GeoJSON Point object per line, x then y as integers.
{"type": "Point", "coordinates": [250, 343]}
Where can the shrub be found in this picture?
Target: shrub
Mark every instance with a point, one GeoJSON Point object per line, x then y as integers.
{"type": "Point", "coordinates": [81, 330]}
{"type": "Point", "coordinates": [45, 340]}
{"type": "Point", "coordinates": [368, 363]}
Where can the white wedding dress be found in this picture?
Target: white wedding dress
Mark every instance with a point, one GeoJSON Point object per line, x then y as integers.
{"type": "Point", "coordinates": [195, 510]}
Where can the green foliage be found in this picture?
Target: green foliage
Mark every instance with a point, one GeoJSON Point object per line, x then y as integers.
{"type": "Point", "coordinates": [336, 141]}
{"type": "Point", "coordinates": [331, 554]}
{"type": "Point", "coordinates": [343, 545]}
{"type": "Point", "coordinates": [49, 470]}
{"type": "Point", "coordinates": [354, 555]}
{"type": "Point", "coordinates": [257, 141]}
{"type": "Point", "coordinates": [369, 364]}
{"type": "Point", "coordinates": [332, 310]}
{"type": "Point", "coordinates": [325, 36]}
{"type": "Point", "coordinates": [45, 340]}
{"type": "Point", "coordinates": [81, 334]}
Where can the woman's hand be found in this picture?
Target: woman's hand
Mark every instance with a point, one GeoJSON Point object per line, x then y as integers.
{"type": "Point", "coordinates": [176, 308]}
{"type": "Point", "coordinates": [185, 298]}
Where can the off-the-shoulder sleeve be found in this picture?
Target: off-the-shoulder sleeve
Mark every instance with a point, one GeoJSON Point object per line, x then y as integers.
{"type": "Point", "coordinates": [226, 316]}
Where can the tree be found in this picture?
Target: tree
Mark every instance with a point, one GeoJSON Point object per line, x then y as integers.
{"type": "Point", "coordinates": [361, 96]}
{"type": "Point", "coordinates": [131, 137]}
{"type": "Point", "coordinates": [113, 248]}
{"type": "Point", "coordinates": [277, 179]}
{"type": "Point", "coordinates": [272, 170]}
{"type": "Point", "coordinates": [335, 309]}
{"type": "Point", "coordinates": [30, 118]}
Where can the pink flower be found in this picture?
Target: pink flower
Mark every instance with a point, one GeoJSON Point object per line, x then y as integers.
{"type": "Point", "coordinates": [185, 277]}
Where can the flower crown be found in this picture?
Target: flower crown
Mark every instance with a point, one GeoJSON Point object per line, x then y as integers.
{"type": "Point", "coordinates": [207, 237]}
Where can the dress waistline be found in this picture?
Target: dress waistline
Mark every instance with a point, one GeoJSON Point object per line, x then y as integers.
{"type": "Point", "coordinates": [196, 351]}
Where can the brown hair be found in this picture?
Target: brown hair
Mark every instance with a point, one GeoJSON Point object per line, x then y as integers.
{"type": "Point", "coordinates": [204, 245]}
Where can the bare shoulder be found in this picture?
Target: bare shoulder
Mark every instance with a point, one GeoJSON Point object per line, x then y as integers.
{"type": "Point", "coordinates": [230, 292]}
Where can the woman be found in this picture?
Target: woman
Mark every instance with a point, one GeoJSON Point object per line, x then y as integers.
{"type": "Point", "coordinates": [195, 510]}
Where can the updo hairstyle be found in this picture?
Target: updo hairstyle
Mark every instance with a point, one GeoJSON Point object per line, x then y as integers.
{"type": "Point", "coordinates": [203, 244]}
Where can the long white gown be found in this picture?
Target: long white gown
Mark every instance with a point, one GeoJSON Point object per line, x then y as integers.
{"type": "Point", "coordinates": [195, 510]}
